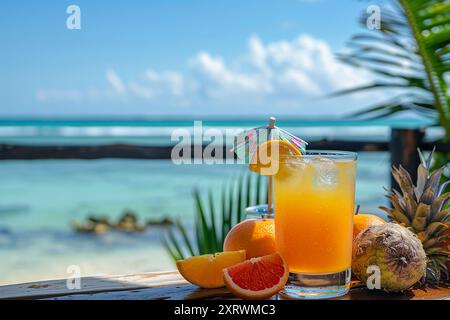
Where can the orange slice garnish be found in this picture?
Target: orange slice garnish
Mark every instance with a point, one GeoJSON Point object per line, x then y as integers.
{"type": "Point", "coordinates": [266, 157]}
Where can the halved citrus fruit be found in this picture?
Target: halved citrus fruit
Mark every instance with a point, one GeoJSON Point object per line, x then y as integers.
{"type": "Point", "coordinates": [269, 151]}
{"type": "Point", "coordinates": [257, 278]}
{"type": "Point", "coordinates": [206, 271]}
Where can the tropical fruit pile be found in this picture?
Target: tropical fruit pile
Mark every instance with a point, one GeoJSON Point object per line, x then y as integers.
{"type": "Point", "coordinates": [416, 246]}
{"type": "Point", "coordinates": [411, 248]}
{"type": "Point", "coordinates": [424, 209]}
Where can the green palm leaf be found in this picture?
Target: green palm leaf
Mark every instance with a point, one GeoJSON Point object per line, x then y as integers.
{"type": "Point", "coordinates": [214, 217]}
{"type": "Point", "coordinates": [410, 53]}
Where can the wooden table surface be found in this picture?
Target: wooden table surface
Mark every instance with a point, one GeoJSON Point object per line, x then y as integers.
{"type": "Point", "coordinates": [171, 286]}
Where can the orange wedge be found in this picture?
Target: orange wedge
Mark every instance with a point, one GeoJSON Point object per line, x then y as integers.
{"type": "Point", "coordinates": [263, 160]}
{"type": "Point", "coordinates": [206, 271]}
{"type": "Point", "coordinates": [257, 278]}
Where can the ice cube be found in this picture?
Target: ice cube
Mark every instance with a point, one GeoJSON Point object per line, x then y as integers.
{"type": "Point", "coordinates": [325, 172]}
{"type": "Point", "coordinates": [290, 169]}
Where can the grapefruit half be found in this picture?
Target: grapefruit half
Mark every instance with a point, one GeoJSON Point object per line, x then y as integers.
{"type": "Point", "coordinates": [257, 278]}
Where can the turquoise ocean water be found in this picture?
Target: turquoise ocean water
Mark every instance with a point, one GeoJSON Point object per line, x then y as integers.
{"type": "Point", "coordinates": [40, 198]}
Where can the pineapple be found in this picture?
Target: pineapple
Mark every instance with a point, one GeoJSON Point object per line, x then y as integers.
{"type": "Point", "coordinates": [424, 209]}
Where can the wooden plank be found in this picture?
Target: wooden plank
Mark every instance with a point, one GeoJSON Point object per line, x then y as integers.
{"type": "Point", "coordinates": [360, 292]}
{"type": "Point", "coordinates": [90, 285]}
{"type": "Point", "coordinates": [190, 292]}
{"type": "Point", "coordinates": [172, 292]}
{"type": "Point", "coordinates": [171, 286]}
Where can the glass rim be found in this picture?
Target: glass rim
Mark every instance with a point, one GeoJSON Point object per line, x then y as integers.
{"type": "Point", "coordinates": [327, 154]}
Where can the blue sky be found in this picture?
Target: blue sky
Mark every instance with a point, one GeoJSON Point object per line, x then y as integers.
{"type": "Point", "coordinates": [177, 57]}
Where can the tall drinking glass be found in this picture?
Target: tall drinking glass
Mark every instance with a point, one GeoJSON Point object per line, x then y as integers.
{"type": "Point", "coordinates": [314, 198]}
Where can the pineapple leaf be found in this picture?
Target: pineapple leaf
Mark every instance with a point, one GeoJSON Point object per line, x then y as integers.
{"type": "Point", "coordinates": [434, 251]}
{"type": "Point", "coordinates": [443, 187]}
{"type": "Point", "coordinates": [427, 196]}
{"type": "Point", "coordinates": [423, 236]}
{"type": "Point", "coordinates": [396, 215]}
{"type": "Point", "coordinates": [442, 216]}
{"type": "Point", "coordinates": [435, 241]}
{"type": "Point", "coordinates": [397, 203]}
{"type": "Point", "coordinates": [430, 158]}
{"type": "Point", "coordinates": [420, 220]}
{"type": "Point", "coordinates": [403, 179]}
{"type": "Point", "coordinates": [411, 205]}
{"type": "Point", "coordinates": [429, 243]}
{"type": "Point", "coordinates": [422, 175]}
{"type": "Point", "coordinates": [423, 161]}
{"type": "Point", "coordinates": [433, 271]}
{"type": "Point", "coordinates": [433, 228]}
{"type": "Point", "coordinates": [443, 265]}
{"type": "Point", "coordinates": [433, 181]}
{"type": "Point", "coordinates": [438, 204]}
{"type": "Point", "coordinates": [443, 231]}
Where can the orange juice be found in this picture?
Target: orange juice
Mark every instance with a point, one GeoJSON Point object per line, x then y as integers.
{"type": "Point", "coordinates": [314, 204]}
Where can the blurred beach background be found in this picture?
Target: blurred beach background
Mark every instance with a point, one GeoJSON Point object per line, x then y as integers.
{"type": "Point", "coordinates": [41, 197]}
{"type": "Point", "coordinates": [133, 73]}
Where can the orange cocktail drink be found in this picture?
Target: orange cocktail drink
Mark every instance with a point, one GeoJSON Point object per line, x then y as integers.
{"type": "Point", "coordinates": [314, 204]}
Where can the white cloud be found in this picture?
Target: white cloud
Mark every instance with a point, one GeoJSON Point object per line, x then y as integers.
{"type": "Point", "coordinates": [49, 95]}
{"type": "Point", "coordinates": [167, 82]}
{"type": "Point", "coordinates": [217, 80]}
{"type": "Point", "coordinates": [280, 71]}
{"type": "Point", "coordinates": [302, 67]}
{"type": "Point", "coordinates": [115, 81]}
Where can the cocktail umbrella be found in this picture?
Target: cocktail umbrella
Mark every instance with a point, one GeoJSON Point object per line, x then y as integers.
{"type": "Point", "coordinates": [247, 142]}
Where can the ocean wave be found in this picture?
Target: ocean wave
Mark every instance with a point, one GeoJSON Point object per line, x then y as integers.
{"type": "Point", "coordinates": [124, 131]}
{"type": "Point", "coordinates": [126, 134]}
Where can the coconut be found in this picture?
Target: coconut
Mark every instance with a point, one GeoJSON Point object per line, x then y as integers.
{"type": "Point", "coordinates": [395, 250]}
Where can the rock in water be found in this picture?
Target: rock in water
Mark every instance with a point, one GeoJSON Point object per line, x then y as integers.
{"type": "Point", "coordinates": [395, 250]}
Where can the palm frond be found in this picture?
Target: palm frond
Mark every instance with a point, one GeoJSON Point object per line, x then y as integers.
{"type": "Point", "coordinates": [215, 214]}
{"type": "Point", "coordinates": [410, 53]}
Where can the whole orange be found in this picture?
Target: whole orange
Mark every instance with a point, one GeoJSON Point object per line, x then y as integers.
{"type": "Point", "coordinates": [362, 221]}
{"type": "Point", "coordinates": [255, 236]}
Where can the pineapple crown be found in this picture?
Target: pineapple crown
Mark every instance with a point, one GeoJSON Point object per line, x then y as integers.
{"type": "Point", "coordinates": [424, 209]}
